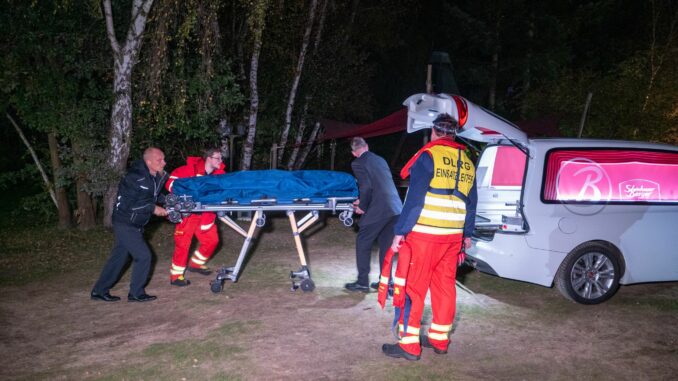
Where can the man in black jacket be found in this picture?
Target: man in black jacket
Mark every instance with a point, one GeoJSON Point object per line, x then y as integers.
{"type": "Point", "coordinates": [138, 193]}
{"type": "Point", "coordinates": [379, 206]}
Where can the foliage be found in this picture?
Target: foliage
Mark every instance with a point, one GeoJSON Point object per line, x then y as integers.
{"type": "Point", "coordinates": [186, 85]}
{"type": "Point", "coordinates": [57, 78]}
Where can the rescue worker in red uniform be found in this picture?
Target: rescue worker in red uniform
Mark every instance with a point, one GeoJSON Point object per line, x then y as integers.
{"type": "Point", "coordinates": [437, 219]}
{"type": "Point", "coordinates": [200, 225]}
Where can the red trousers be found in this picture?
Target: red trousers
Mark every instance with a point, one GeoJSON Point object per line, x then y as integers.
{"type": "Point", "coordinates": [183, 235]}
{"type": "Point", "coordinates": [433, 265]}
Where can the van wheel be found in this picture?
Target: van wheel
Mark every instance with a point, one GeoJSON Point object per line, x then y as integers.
{"type": "Point", "coordinates": [589, 274]}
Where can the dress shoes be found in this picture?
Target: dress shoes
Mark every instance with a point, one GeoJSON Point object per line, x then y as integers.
{"type": "Point", "coordinates": [141, 298]}
{"type": "Point", "coordinates": [374, 285]}
{"type": "Point", "coordinates": [395, 350]}
{"type": "Point", "coordinates": [426, 344]}
{"type": "Point", "coordinates": [200, 270]}
{"type": "Point", "coordinates": [355, 286]}
{"type": "Point", "coordinates": [105, 297]}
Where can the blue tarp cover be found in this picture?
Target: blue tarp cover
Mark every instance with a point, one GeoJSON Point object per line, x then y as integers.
{"type": "Point", "coordinates": [284, 186]}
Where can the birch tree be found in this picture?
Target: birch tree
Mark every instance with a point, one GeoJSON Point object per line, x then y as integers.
{"type": "Point", "coordinates": [124, 59]}
{"type": "Point", "coordinates": [292, 162]}
{"type": "Point", "coordinates": [295, 80]}
{"type": "Point", "coordinates": [256, 23]}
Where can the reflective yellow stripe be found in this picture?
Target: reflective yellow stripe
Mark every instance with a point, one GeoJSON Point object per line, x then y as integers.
{"type": "Point", "coordinates": [200, 256]}
{"type": "Point", "coordinates": [441, 328]}
{"type": "Point", "coordinates": [447, 216]}
{"type": "Point", "coordinates": [383, 279]}
{"type": "Point", "coordinates": [399, 281]}
{"type": "Point", "coordinates": [434, 230]}
{"type": "Point", "coordinates": [409, 340]}
{"type": "Point", "coordinates": [206, 227]}
{"type": "Point", "coordinates": [198, 261]}
{"type": "Point", "coordinates": [176, 272]}
{"type": "Point", "coordinates": [431, 199]}
{"type": "Point", "coordinates": [412, 330]}
{"type": "Point", "coordinates": [401, 328]}
{"type": "Point", "coordinates": [177, 267]}
{"type": "Point", "coordinates": [438, 336]}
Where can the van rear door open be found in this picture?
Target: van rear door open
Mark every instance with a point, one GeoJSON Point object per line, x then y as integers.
{"type": "Point", "coordinates": [499, 182]}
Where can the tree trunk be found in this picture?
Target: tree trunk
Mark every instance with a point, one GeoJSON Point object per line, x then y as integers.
{"type": "Point", "coordinates": [257, 25]}
{"type": "Point", "coordinates": [291, 164]}
{"type": "Point", "coordinates": [296, 79]}
{"type": "Point", "coordinates": [85, 213]}
{"type": "Point", "coordinates": [298, 139]}
{"type": "Point", "coordinates": [308, 146]}
{"type": "Point", "coordinates": [494, 72]}
{"type": "Point", "coordinates": [527, 74]}
{"type": "Point", "coordinates": [124, 58]}
{"type": "Point", "coordinates": [63, 206]}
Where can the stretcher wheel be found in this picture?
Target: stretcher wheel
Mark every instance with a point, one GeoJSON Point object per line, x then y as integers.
{"type": "Point", "coordinates": [307, 285]}
{"type": "Point", "coordinates": [261, 221]}
{"type": "Point", "coordinates": [348, 221]}
{"type": "Point", "coordinates": [216, 286]}
{"type": "Point", "coordinates": [188, 205]}
{"type": "Point", "coordinates": [174, 216]}
{"type": "Point", "coordinates": [171, 200]}
{"type": "Point", "coordinates": [342, 216]}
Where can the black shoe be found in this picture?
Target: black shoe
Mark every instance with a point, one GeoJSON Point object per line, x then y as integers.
{"type": "Point", "coordinates": [200, 270]}
{"type": "Point", "coordinates": [181, 282]}
{"type": "Point", "coordinates": [395, 350]}
{"type": "Point", "coordinates": [141, 298]}
{"type": "Point", "coordinates": [426, 344]}
{"type": "Point", "coordinates": [105, 297]}
{"type": "Point", "coordinates": [355, 286]}
{"type": "Point", "coordinates": [374, 285]}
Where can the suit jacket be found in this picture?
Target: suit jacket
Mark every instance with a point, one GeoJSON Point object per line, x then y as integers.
{"type": "Point", "coordinates": [378, 195]}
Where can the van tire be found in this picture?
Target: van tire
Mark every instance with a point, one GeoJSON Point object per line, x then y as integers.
{"type": "Point", "coordinates": [590, 273]}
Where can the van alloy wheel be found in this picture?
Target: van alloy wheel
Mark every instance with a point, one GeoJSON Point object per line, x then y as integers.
{"type": "Point", "coordinates": [589, 274]}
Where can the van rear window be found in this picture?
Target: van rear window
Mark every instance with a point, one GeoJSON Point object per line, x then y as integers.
{"type": "Point", "coordinates": [611, 175]}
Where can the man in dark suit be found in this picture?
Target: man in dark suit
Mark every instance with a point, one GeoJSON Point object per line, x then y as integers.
{"type": "Point", "coordinates": [379, 206]}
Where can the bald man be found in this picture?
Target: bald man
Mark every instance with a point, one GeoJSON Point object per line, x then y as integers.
{"type": "Point", "coordinates": [138, 193]}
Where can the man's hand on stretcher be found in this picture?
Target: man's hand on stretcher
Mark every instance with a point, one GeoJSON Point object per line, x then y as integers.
{"type": "Point", "coordinates": [160, 211]}
{"type": "Point", "coordinates": [356, 208]}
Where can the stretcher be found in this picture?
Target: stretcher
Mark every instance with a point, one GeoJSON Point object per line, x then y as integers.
{"type": "Point", "coordinates": [262, 192]}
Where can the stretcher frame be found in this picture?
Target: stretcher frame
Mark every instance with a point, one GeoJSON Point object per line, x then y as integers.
{"type": "Point", "coordinates": [178, 206]}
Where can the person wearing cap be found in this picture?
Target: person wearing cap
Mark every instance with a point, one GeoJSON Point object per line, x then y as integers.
{"type": "Point", "coordinates": [378, 205]}
{"type": "Point", "coordinates": [436, 221]}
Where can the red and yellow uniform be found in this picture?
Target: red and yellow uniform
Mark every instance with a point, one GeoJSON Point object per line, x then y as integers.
{"type": "Point", "coordinates": [200, 225]}
{"type": "Point", "coordinates": [439, 212]}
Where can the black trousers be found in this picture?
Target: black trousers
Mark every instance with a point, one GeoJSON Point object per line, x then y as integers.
{"type": "Point", "coordinates": [129, 240]}
{"type": "Point", "coordinates": [382, 232]}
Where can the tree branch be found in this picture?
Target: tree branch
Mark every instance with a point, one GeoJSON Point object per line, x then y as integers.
{"type": "Point", "coordinates": [48, 184]}
{"type": "Point", "coordinates": [110, 29]}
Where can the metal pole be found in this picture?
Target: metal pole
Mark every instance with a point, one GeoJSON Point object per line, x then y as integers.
{"type": "Point", "coordinates": [429, 80]}
{"type": "Point", "coordinates": [231, 138]}
{"type": "Point", "coordinates": [333, 151]}
{"type": "Point", "coordinates": [274, 156]}
{"type": "Point", "coordinates": [583, 115]}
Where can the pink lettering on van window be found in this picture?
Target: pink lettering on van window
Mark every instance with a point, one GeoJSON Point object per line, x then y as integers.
{"type": "Point", "coordinates": [615, 176]}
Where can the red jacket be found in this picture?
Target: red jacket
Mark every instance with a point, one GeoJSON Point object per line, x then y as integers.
{"type": "Point", "coordinates": [195, 166]}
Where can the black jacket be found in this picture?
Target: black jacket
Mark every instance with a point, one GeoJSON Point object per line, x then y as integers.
{"type": "Point", "coordinates": [378, 195]}
{"type": "Point", "coordinates": [138, 192]}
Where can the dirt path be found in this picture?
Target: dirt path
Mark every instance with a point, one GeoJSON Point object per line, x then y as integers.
{"type": "Point", "coordinates": [256, 329]}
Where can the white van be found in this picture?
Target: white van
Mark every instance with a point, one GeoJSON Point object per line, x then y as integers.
{"type": "Point", "coordinates": [587, 215]}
